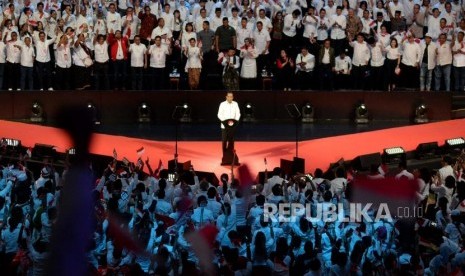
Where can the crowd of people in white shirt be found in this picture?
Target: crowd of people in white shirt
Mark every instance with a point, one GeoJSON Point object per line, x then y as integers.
{"type": "Point", "coordinates": [161, 212]}
{"type": "Point", "coordinates": [97, 44]}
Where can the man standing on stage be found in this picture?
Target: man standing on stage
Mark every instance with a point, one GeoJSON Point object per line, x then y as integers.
{"type": "Point", "coordinates": [229, 115]}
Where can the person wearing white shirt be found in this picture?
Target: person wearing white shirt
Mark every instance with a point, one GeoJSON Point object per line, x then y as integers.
{"type": "Point", "coordinates": [410, 62]}
{"type": "Point", "coordinates": [305, 63]}
{"type": "Point", "coordinates": [13, 58]}
{"type": "Point", "coordinates": [123, 6]}
{"type": "Point", "coordinates": [291, 23]}
{"type": "Point", "coordinates": [202, 215]}
{"type": "Point", "coordinates": [193, 64]}
{"type": "Point", "coordinates": [231, 64]}
{"type": "Point", "coordinates": [212, 204]}
{"type": "Point", "coordinates": [198, 23]}
{"type": "Point", "coordinates": [68, 17]}
{"type": "Point", "coordinates": [235, 20]}
{"type": "Point", "coordinates": [229, 114]}
{"type": "Point", "coordinates": [331, 9]}
{"type": "Point", "coordinates": [83, 62]}
{"type": "Point", "coordinates": [266, 22]}
{"type": "Point", "coordinates": [343, 67]}
{"type": "Point", "coordinates": [130, 21]}
{"type": "Point", "coordinates": [168, 16]}
{"type": "Point", "coordinates": [338, 23]}
{"type": "Point", "coordinates": [63, 63]}
{"type": "Point", "coordinates": [216, 20]}
{"type": "Point", "coordinates": [82, 19]}
{"type": "Point", "coordinates": [242, 33]}
{"type": "Point", "coordinates": [163, 32]}
{"type": "Point", "coordinates": [446, 170]}
{"type": "Point", "coordinates": [403, 172]}
{"type": "Point", "coordinates": [40, 15]}
{"type": "Point", "coordinates": [187, 35]}
{"type": "Point", "coordinates": [138, 63]}
{"type": "Point", "coordinates": [322, 27]}
{"type": "Point", "coordinates": [443, 63]}
{"type": "Point", "coordinates": [394, 6]}
{"type": "Point", "coordinates": [449, 15]}
{"type": "Point", "coordinates": [113, 19]}
{"type": "Point", "coordinates": [249, 55]}
{"type": "Point", "coordinates": [434, 25]}
{"type": "Point", "coordinates": [367, 23]}
{"type": "Point", "coordinates": [158, 53]}
{"type": "Point", "coordinates": [428, 62]}
{"type": "Point", "coordinates": [262, 43]}
{"type": "Point", "coordinates": [458, 50]}
{"type": "Point", "coordinates": [376, 64]}
{"type": "Point", "coordinates": [27, 64]}
{"type": "Point", "coordinates": [102, 81]}
{"type": "Point", "coordinates": [184, 10]}
{"type": "Point", "coordinates": [310, 22]}
{"type": "Point", "coordinates": [360, 60]}
{"type": "Point", "coordinates": [2, 60]}
{"type": "Point", "coordinates": [43, 62]}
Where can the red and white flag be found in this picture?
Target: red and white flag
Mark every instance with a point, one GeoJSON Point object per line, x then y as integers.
{"type": "Point", "coordinates": [32, 22]}
{"type": "Point", "coordinates": [140, 151]}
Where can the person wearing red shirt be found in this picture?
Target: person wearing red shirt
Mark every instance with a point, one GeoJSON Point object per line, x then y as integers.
{"type": "Point", "coordinates": [148, 22]}
{"type": "Point", "coordinates": [119, 46]}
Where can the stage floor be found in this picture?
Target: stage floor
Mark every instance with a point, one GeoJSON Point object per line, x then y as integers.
{"type": "Point", "coordinates": [206, 155]}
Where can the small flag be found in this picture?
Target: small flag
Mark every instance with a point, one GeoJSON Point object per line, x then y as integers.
{"type": "Point", "coordinates": [125, 161]}
{"type": "Point", "coordinates": [32, 23]}
{"type": "Point", "coordinates": [140, 151]}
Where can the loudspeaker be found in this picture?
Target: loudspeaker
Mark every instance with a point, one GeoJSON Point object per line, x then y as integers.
{"type": "Point", "coordinates": [209, 176]}
{"type": "Point", "coordinates": [363, 162]}
{"type": "Point", "coordinates": [298, 165]}
{"type": "Point", "coordinates": [182, 166]}
{"type": "Point", "coordinates": [44, 151]}
{"type": "Point", "coordinates": [286, 166]}
{"type": "Point", "coordinates": [261, 177]}
{"type": "Point", "coordinates": [427, 150]}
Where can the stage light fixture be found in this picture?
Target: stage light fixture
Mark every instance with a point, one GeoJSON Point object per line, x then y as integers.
{"type": "Point", "coordinates": [421, 114]}
{"type": "Point", "coordinates": [37, 113]}
{"type": "Point", "coordinates": [455, 142]}
{"type": "Point", "coordinates": [307, 113]}
{"type": "Point", "coordinates": [144, 113]}
{"type": "Point", "coordinates": [361, 114]}
{"type": "Point", "coordinates": [171, 177]}
{"type": "Point", "coordinates": [41, 151]}
{"type": "Point", "coordinates": [186, 113]}
{"type": "Point", "coordinates": [249, 111]}
{"type": "Point", "coordinates": [393, 155]}
{"type": "Point", "coordinates": [72, 151]}
{"type": "Point", "coordinates": [454, 146]}
{"type": "Point", "coordinates": [11, 142]}
{"type": "Point", "coordinates": [427, 150]}
{"type": "Point", "coordinates": [92, 109]}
